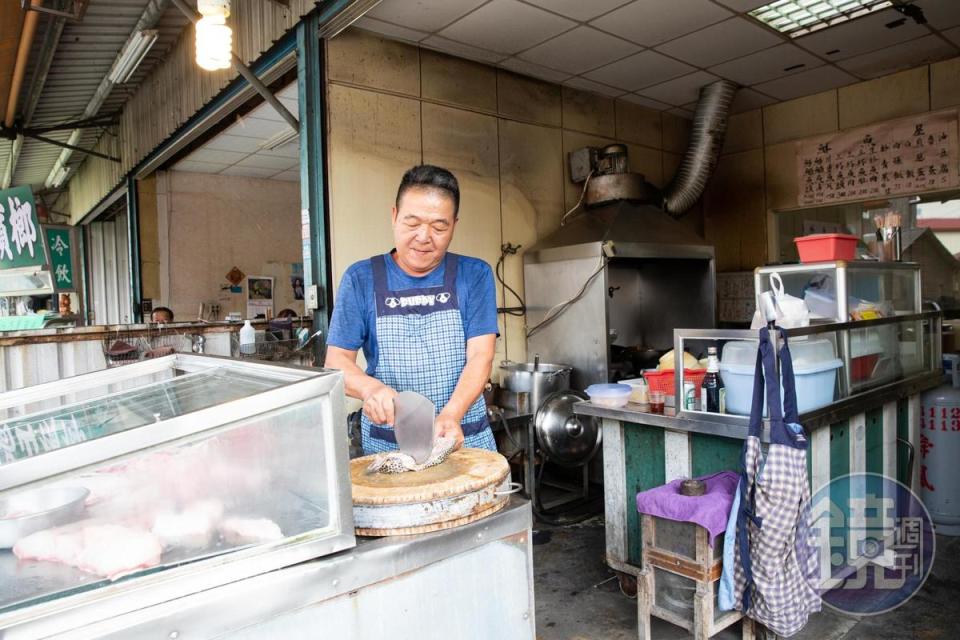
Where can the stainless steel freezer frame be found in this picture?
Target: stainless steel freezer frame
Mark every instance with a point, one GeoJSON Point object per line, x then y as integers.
{"type": "Point", "coordinates": [180, 405]}
{"type": "Point", "coordinates": [473, 582]}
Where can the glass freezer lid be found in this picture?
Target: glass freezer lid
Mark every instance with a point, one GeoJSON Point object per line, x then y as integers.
{"type": "Point", "coordinates": [120, 406]}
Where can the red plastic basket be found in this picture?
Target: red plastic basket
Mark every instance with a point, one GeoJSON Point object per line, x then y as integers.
{"type": "Point", "coordinates": [822, 247]}
{"type": "Point", "coordinates": [665, 381]}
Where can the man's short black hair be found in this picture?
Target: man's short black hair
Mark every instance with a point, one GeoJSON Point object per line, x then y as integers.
{"type": "Point", "coordinates": [165, 310]}
{"type": "Point", "coordinates": [428, 176]}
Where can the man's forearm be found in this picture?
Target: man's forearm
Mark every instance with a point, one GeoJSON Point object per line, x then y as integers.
{"type": "Point", "coordinates": [474, 378]}
{"type": "Point", "coordinates": [356, 382]}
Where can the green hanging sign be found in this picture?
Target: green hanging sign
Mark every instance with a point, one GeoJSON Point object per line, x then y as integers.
{"type": "Point", "coordinates": [60, 246]}
{"type": "Point", "coordinates": [21, 244]}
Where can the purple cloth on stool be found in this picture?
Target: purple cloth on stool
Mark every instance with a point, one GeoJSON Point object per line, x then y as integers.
{"type": "Point", "coordinates": [710, 510]}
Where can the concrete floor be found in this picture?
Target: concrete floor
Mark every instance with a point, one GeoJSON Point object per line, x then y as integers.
{"type": "Point", "coordinates": [578, 597]}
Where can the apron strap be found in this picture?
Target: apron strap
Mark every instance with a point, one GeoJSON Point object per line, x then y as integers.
{"type": "Point", "coordinates": [450, 263]}
{"type": "Point", "coordinates": [791, 414]}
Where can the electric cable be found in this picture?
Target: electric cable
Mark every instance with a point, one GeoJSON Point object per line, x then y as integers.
{"type": "Point", "coordinates": [583, 194]}
{"type": "Point", "coordinates": [555, 312]}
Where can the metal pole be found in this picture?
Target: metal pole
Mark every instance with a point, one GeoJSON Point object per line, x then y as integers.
{"type": "Point", "coordinates": [133, 248]}
{"type": "Point", "coordinates": [312, 174]}
{"type": "Point", "coordinates": [247, 74]}
{"type": "Point", "coordinates": [72, 147]}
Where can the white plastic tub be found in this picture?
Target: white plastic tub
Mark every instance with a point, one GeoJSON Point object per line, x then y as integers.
{"type": "Point", "coordinates": [609, 395]}
{"type": "Point", "coordinates": [815, 367]}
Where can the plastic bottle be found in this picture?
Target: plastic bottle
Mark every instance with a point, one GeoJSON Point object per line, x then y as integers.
{"type": "Point", "coordinates": [248, 339]}
{"type": "Point", "coordinates": [712, 394]}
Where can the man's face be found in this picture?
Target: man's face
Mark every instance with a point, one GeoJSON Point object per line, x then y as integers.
{"type": "Point", "coordinates": [161, 316]}
{"type": "Point", "coordinates": [422, 229]}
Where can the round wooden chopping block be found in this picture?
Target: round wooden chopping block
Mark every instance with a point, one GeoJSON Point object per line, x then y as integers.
{"type": "Point", "coordinates": [468, 485]}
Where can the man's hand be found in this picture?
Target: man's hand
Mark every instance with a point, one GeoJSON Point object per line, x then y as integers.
{"type": "Point", "coordinates": [449, 427]}
{"type": "Point", "coordinates": [378, 405]}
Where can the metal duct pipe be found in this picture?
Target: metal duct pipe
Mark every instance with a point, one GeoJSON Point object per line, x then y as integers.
{"type": "Point", "coordinates": [20, 64]}
{"type": "Point", "coordinates": [706, 140]}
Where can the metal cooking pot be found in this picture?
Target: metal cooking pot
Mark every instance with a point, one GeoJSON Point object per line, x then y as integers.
{"type": "Point", "coordinates": [29, 511]}
{"type": "Point", "coordinates": [536, 378]}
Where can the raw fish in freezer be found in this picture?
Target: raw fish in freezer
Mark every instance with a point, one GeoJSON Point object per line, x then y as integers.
{"type": "Point", "coordinates": [191, 528]}
{"type": "Point", "coordinates": [107, 550]}
{"type": "Point", "coordinates": [249, 530]}
{"type": "Point", "coordinates": [112, 551]}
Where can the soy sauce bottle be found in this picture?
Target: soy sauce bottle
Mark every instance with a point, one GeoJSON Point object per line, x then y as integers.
{"type": "Point", "coordinates": [712, 394]}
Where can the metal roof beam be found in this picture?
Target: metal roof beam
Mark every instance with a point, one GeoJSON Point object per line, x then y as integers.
{"type": "Point", "coordinates": [247, 74]}
{"type": "Point", "coordinates": [50, 41]}
{"type": "Point", "coordinates": [148, 20]}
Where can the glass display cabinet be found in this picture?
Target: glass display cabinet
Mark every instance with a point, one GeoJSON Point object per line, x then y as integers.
{"type": "Point", "coordinates": [835, 290]}
{"type": "Point", "coordinates": [128, 487]}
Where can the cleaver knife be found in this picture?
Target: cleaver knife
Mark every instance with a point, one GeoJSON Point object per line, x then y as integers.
{"type": "Point", "coordinates": [413, 416]}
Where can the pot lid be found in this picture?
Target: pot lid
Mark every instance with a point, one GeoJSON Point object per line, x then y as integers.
{"type": "Point", "coordinates": [564, 437]}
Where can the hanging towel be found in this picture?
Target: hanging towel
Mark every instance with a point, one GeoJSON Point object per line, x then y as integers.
{"type": "Point", "coordinates": [774, 559]}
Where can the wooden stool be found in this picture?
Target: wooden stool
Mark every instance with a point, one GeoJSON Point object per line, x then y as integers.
{"type": "Point", "coordinates": [679, 580]}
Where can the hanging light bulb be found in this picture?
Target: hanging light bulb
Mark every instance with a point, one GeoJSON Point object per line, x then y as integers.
{"type": "Point", "coordinates": [214, 37]}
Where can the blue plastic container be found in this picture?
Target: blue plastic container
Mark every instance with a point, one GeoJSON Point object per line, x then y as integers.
{"type": "Point", "coordinates": [815, 367]}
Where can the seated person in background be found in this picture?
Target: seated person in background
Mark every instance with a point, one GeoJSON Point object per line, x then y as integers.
{"type": "Point", "coordinates": [287, 313]}
{"type": "Point", "coordinates": [162, 315]}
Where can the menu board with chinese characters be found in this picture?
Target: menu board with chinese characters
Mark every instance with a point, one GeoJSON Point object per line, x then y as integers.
{"type": "Point", "coordinates": [909, 155]}
{"type": "Point", "coordinates": [21, 244]}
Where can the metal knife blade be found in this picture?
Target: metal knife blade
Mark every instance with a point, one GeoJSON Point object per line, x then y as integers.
{"type": "Point", "coordinates": [413, 417]}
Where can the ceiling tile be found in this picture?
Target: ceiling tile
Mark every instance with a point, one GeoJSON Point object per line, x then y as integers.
{"type": "Point", "coordinates": [198, 167]}
{"type": "Point", "coordinates": [289, 91]}
{"type": "Point", "coordinates": [940, 14]}
{"type": "Point", "coordinates": [506, 26]}
{"type": "Point", "coordinates": [219, 157]}
{"type": "Point", "coordinates": [579, 50]}
{"type": "Point", "coordinates": [534, 70]}
{"type": "Point", "coordinates": [578, 9]}
{"type": "Point", "coordinates": [747, 99]}
{"type": "Point", "coordinates": [645, 102]}
{"type": "Point", "coordinates": [683, 113]}
{"type": "Point", "coordinates": [390, 30]}
{"type": "Point", "coordinates": [641, 70]}
{"type": "Point", "coordinates": [953, 35]}
{"type": "Point", "coordinates": [423, 15]}
{"type": "Point", "coordinates": [461, 50]}
{"type": "Point", "coordinates": [249, 172]}
{"type": "Point", "coordinates": [288, 176]}
{"type": "Point", "coordinates": [806, 83]}
{"type": "Point", "coordinates": [648, 22]}
{"type": "Point", "coordinates": [860, 36]}
{"type": "Point", "coordinates": [743, 6]}
{"type": "Point", "coordinates": [225, 142]}
{"type": "Point", "coordinates": [720, 42]}
{"type": "Point", "coordinates": [767, 64]}
{"type": "Point", "coordinates": [289, 150]}
{"type": "Point", "coordinates": [679, 91]}
{"type": "Point", "coordinates": [257, 128]}
{"type": "Point", "coordinates": [261, 161]}
{"type": "Point", "coordinates": [596, 87]}
{"type": "Point", "coordinates": [905, 55]}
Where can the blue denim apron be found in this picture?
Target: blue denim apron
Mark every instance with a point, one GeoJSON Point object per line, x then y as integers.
{"type": "Point", "coordinates": [422, 348]}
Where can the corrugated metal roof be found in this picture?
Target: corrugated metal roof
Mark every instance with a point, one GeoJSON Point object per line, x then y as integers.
{"type": "Point", "coordinates": [84, 55]}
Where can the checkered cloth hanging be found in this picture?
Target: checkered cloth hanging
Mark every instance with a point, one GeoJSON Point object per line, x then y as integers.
{"type": "Point", "coordinates": [775, 568]}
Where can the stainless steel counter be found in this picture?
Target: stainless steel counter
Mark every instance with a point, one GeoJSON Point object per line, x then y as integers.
{"type": "Point", "coordinates": [730, 426]}
{"type": "Point", "coordinates": [632, 413]}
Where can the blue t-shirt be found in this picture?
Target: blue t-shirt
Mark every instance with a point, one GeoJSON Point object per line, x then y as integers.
{"type": "Point", "coordinates": [354, 321]}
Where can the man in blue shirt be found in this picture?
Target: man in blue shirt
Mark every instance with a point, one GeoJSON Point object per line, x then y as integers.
{"type": "Point", "coordinates": [425, 318]}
